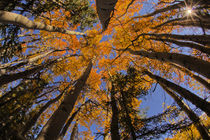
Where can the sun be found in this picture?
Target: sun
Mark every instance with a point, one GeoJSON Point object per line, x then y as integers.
{"type": "Point", "coordinates": [189, 11]}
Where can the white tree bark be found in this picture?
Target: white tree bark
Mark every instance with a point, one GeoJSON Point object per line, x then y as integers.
{"type": "Point", "coordinates": [20, 20]}
{"type": "Point", "coordinates": [7, 78]}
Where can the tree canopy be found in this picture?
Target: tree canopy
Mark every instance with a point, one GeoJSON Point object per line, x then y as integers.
{"type": "Point", "coordinates": [81, 69]}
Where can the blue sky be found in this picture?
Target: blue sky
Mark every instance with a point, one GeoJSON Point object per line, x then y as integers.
{"type": "Point", "coordinates": [154, 101]}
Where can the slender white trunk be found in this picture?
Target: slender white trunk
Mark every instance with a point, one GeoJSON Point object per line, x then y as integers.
{"type": "Point", "coordinates": [7, 78]}
{"type": "Point", "coordinates": [20, 20]}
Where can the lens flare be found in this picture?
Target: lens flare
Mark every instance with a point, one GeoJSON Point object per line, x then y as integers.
{"type": "Point", "coordinates": [189, 11]}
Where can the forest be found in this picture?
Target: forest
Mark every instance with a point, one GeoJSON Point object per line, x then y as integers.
{"type": "Point", "coordinates": [89, 69]}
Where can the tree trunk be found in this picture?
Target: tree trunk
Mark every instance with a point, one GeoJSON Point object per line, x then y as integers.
{"type": "Point", "coordinates": [128, 121]}
{"type": "Point", "coordinates": [65, 128]}
{"type": "Point", "coordinates": [8, 95]}
{"type": "Point", "coordinates": [186, 44]}
{"type": "Point", "coordinates": [104, 10]}
{"type": "Point", "coordinates": [193, 117]}
{"type": "Point", "coordinates": [115, 117]}
{"type": "Point", "coordinates": [52, 129]}
{"type": "Point", "coordinates": [18, 95]}
{"type": "Point", "coordinates": [74, 132]}
{"type": "Point", "coordinates": [5, 79]}
{"type": "Point", "coordinates": [17, 19]}
{"type": "Point", "coordinates": [200, 66]}
{"type": "Point", "coordinates": [34, 119]}
{"type": "Point", "coordinates": [24, 62]}
{"type": "Point", "coordinates": [190, 23]}
{"type": "Point", "coordinates": [196, 77]}
{"type": "Point", "coordinates": [202, 39]}
{"type": "Point", "coordinates": [194, 99]}
{"type": "Point", "coordinates": [21, 63]}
